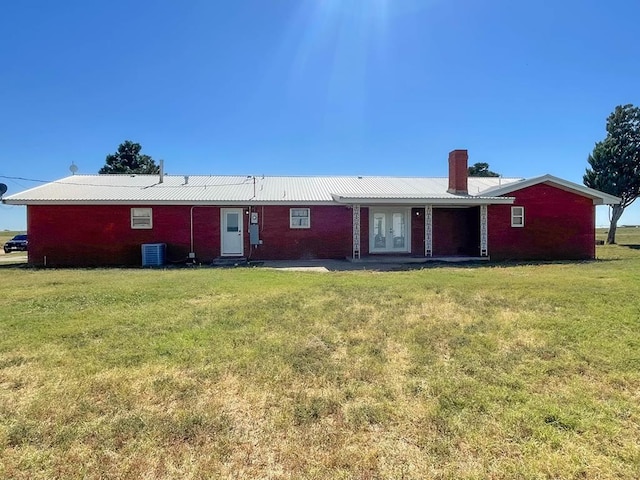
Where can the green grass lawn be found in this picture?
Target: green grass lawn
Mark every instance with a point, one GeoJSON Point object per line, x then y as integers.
{"type": "Point", "coordinates": [499, 371]}
{"type": "Point", "coordinates": [624, 235]}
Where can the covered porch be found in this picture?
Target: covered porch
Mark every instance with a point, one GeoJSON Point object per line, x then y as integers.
{"type": "Point", "coordinates": [410, 260]}
{"type": "Point", "coordinates": [437, 231]}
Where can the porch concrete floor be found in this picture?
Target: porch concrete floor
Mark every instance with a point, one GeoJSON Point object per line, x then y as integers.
{"type": "Point", "coordinates": [406, 260]}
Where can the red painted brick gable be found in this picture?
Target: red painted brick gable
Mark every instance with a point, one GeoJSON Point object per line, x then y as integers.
{"type": "Point", "coordinates": [558, 225]}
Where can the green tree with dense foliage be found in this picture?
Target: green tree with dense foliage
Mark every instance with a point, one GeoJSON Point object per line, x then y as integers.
{"type": "Point", "coordinates": [615, 162]}
{"type": "Point", "coordinates": [481, 169]}
{"type": "Point", "coordinates": [128, 159]}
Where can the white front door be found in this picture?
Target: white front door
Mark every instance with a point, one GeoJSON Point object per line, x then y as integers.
{"type": "Point", "coordinates": [389, 230]}
{"type": "Point", "coordinates": [232, 243]}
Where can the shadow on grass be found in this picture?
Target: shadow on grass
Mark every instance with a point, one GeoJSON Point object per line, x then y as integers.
{"type": "Point", "coordinates": [501, 264]}
{"type": "Point", "coordinates": [13, 265]}
{"type": "Point", "coordinates": [333, 265]}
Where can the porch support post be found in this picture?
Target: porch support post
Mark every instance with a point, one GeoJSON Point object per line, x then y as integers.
{"type": "Point", "coordinates": [484, 237]}
{"type": "Point", "coordinates": [428, 230]}
{"type": "Point", "coordinates": [356, 232]}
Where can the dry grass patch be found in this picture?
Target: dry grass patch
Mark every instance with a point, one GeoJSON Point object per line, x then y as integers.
{"type": "Point", "coordinates": [504, 371]}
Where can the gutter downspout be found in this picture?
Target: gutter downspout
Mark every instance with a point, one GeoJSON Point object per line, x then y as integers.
{"type": "Point", "coordinates": [191, 252]}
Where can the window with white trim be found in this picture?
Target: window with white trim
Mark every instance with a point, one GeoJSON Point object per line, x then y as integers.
{"type": "Point", "coordinates": [141, 218]}
{"type": "Point", "coordinates": [299, 218]}
{"type": "Point", "coordinates": [517, 216]}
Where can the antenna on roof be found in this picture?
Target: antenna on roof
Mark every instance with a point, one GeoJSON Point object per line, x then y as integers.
{"type": "Point", "coordinates": [73, 168]}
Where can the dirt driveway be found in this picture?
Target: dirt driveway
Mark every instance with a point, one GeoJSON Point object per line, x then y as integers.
{"type": "Point", "coordinates": [12, 258]}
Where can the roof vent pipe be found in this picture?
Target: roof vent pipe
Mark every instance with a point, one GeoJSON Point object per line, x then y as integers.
{"type": "Point", "coordinates": [161, 171]}
{"type": "Point", "coordinates": [186, 179]}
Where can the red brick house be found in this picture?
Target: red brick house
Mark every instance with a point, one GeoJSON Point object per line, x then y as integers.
{"type": "Point", "coordinates": [96, 220]}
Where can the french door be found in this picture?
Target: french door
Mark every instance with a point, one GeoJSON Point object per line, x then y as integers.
{"type": "Point", "coordinates": [389, 230]}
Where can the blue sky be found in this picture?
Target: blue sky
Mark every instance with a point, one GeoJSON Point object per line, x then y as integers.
{"type": "Point", "coordinates": [369, 87]}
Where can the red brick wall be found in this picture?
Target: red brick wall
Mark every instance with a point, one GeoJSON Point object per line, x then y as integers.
{"type": "Point", "coordinates": [99, 235]}
{"type": "Point", "coordinates": [559, 225]}
{"type": "Point", "coordinates": [364, 231]}
{"type": "Point", "coordinates": [417, 231]}
{"type": "Point", "coordinates": [102, 235]}
{"type": "Point", "coordinates": [330, 235]}
{"type": "Point", "coordinates": [458, 181]}
{"type": "Point", "coordinates": [456, 231]}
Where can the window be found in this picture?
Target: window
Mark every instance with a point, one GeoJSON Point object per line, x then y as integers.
{"type": "Point", "coordinates": [517, 216]}
{"type": "Point", "coordinates": [141, 218]}
{"type": "Point", "coordinates": [299, 218]}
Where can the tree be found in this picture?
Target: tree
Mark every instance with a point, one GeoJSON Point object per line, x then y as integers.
{"type": "Point", "coordinates": [615, 162]}
{"type": "Point", "coordinates": [481, 169]}
{"type": "Point", "coordinates": [128, 159]}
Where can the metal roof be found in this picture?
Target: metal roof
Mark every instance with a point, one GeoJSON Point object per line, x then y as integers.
{"type": "Point", "coordinates": [229, 190]}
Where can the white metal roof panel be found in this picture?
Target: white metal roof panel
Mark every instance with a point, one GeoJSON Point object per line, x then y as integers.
{"type": "Point", "coordinates": [202, 189]}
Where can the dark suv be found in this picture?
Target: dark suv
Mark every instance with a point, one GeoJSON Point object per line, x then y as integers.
{"type": "Point", "coordinates": [19, 242]}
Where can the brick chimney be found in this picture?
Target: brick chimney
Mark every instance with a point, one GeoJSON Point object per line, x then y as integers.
{"type": "Point", "coordinates": [458, 165]}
